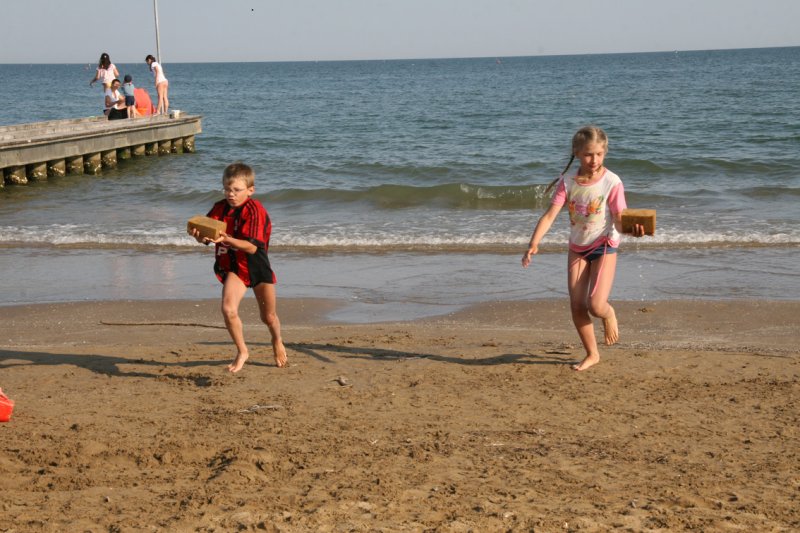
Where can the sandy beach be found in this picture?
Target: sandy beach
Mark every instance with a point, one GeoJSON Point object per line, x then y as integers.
{"type": "Point", "coordinates": [126, 420]}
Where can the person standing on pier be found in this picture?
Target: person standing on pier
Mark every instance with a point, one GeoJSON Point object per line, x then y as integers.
{"type": "Point", "coordinates": [106, 71]}
{"type": "Point", "coordinates": [129, 93]}
{"type": "Point", "coordinates": [162, 85]}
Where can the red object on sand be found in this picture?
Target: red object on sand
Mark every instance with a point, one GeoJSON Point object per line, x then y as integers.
{"type": "Point", "coordinates": [144, 105]}
{"type": "Point", "coordinates": [6, 407]}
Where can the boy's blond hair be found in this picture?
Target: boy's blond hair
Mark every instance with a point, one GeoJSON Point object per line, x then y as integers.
{"type": "Point", "coordinates": [239, 171]}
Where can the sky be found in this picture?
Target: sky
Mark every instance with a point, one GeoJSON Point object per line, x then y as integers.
{"type": "Point", "coordinates": [77, 31]}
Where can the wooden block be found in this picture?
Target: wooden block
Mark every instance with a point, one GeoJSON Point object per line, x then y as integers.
{"type": "Point", "coordinates": [208, 227]}
{"type": "Point", "coordinates": [645, 217]}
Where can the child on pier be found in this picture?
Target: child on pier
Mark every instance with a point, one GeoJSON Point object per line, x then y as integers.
{"type": "Point", "coordinates": [106, 72]}
{"type": "Point", "coordinates": [127, 91]}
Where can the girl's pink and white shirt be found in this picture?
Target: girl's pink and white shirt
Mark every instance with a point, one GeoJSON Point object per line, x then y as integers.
{"type": "Point", "coordinates": [592, 207]}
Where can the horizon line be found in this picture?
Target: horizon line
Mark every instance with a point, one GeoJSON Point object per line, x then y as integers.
{"type": "Point", "coordinates": [434, 58]}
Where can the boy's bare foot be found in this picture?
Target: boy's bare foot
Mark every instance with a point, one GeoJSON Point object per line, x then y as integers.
{"type": "Point", "coordinates": [589, 361]}
{"type": "Point", "coordinates": [611, 328]}
{"type": "Point", "coordinates": [280, 354]}
{"type": "Point", "coordinates": [238, 362]}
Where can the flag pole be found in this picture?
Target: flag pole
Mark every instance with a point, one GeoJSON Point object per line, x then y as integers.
{"type": "Point", "coordinates": [158, 45]}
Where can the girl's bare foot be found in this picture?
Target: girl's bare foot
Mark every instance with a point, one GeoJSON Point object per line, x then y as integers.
{"type": "Point", "coordinates": [280, 354]}
{"type": "Point", "coordinates": [588, 361]}
{"type": "Point", "coordinates": [611, 328]}
{"type": "Point", "coordinates": [238, 362]}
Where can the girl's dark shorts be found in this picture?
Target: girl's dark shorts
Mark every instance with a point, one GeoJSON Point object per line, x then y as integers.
{"type": "Point", "coordinates": [599, 252]}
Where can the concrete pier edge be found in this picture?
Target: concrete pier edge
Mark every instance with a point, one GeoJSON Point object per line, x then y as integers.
{"type": "Point", "coordinates": [87, 145]}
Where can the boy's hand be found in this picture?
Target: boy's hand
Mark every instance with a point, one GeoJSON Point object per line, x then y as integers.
{"type": "Point", "coordinates": [196, 234]}
{"type": "Point", "coordinates": [220, 239]}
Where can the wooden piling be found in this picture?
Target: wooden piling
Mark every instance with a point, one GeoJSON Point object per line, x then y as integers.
{"type": "Point", "coordinates": [164, 147]}
{"type": "Point", "coordinates": [36, 171]}
{"type": "Point", "coordinates": [15, 175]}
{"type": "Point", "coordinates": [57, 168]}
{"type": "Point", "coordinates": [108, 159]}
{"type": "Point", "coordinates": [137, 150]}
{"type": "Point", "coordinates": [75, 164]}
{"type": "Point", "coordinates": [151, 149]}
{"type": "Point", "coordinates": [92, 163]}
{"type": "Point", "coordinates": [123, 154]}
{"type": "Point", "coordinates": [177, 146]}
{"type": "Point", "coordinates": [188, 144]}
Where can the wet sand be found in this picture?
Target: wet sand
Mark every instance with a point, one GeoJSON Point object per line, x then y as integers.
{"type": "Point", "coordinates": [126, 420]}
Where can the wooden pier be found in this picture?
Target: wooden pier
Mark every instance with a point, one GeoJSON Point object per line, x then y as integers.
{"type": "Point", "coordinates": [87, 145]}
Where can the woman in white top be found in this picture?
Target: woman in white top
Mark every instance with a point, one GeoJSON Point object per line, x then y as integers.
{"type": "Point", "coordinates": [115, 102]}
{"type": "Point", "coordinates": [106, 71]}
{"type": "Point", "coordinates": [162, 85]}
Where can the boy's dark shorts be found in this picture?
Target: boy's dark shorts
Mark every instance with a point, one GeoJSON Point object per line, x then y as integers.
{"type": "Point", "coordinates": [130, 100]}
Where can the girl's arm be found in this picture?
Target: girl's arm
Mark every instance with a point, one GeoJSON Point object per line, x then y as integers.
{"type": "Point", "coordinates": [542, 227]}
{"type": "Point", "coordinates": [616, 204]}
{"type": "Point", "coordinates": [617, 221]}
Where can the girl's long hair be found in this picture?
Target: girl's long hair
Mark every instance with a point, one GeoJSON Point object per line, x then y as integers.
{"type": "Point", "coordinates": [552, 183]}
{"type": "Point", "coordinates": [583, 136]}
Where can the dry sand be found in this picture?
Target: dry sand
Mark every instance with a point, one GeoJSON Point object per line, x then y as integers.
{"type": "Point", "coordinates": [126, 420]}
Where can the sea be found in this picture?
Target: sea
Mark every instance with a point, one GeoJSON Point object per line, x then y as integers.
{"type": "Point", "coordinates": [409, 188]}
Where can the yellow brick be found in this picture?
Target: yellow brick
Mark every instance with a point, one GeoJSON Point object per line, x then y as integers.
{"type": "Point", "coordinates": [208, 227]}
{"type": "Point", "coordinates": [645, 217]}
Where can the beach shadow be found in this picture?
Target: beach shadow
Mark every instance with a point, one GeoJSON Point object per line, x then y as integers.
{"type": "Point", "coordinates": [111, 365]}
{"type": "Point", "coordinates": [313, 350]}
{"type": "Point", "coordinates": [298, 347]}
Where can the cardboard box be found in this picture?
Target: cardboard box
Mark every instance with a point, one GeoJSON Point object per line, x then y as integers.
{"type": "Point", "coordinates": [208, 227]}
{"type": "Point", "coordinates": [645, 217]}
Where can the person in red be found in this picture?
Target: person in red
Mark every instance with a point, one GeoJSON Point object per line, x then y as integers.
{"type": "Point", "coordinates": [242, 261]}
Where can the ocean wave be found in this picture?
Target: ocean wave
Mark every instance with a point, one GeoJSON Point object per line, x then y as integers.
{"type": "Point", "coordinates": [365, 238]}
{"type": "Point", "coordinates": [453, 196]}
{"type": "Point", "coordinates": [672, 164]}
{"type": "Point", "coordinates": [768, 193]}
{"type": "Point", "coordinates": [439, 169]}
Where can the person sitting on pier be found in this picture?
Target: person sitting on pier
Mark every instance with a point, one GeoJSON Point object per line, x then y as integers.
{"type": "Point", "coordinates": [115, 102]}
{"type": "Point", "coordinates": [130, 97]}
{"type": "Point", "coordinates": [106, 71]}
